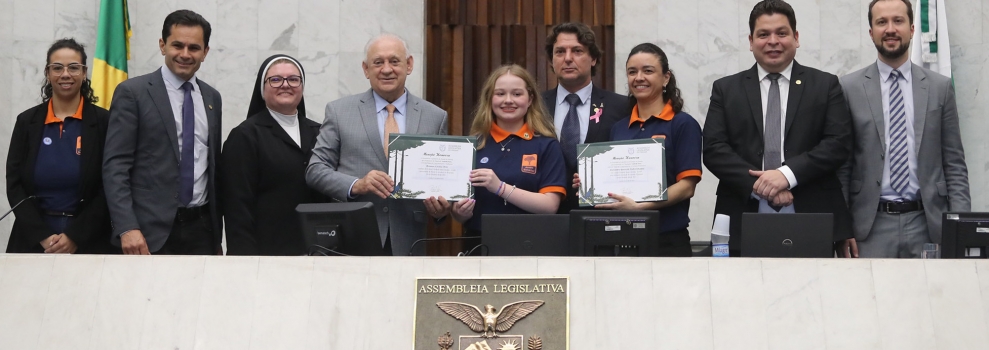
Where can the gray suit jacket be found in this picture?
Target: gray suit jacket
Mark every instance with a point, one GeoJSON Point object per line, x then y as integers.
{"type": "Point", "coordinates": [349, 146]}
{"type": "Point", "coordinates": [941, 166]}
{"type": "Point", "coordinates": [141, 159]}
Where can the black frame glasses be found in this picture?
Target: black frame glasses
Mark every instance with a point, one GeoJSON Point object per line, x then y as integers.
{"type": "Point", "coordinates": [277, 81]}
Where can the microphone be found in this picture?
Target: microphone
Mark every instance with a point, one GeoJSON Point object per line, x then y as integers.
{"type": "Point", "coordinates": [15, 207]}
{"type": "Point", "coordinates": [412, 248]}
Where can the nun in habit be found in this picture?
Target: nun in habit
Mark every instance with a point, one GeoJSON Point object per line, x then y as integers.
{"type": "Point", "coordinates": [263, 165]}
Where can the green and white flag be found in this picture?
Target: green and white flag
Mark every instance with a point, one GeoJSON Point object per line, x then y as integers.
{"type": "Point", "coordinates": [931, 48]}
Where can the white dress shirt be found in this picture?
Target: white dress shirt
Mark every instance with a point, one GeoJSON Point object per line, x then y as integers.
{"type": "Point", "coordinates": [176, 97]}
{"type": "Point", "coordinates": [906, 88]}
{"type": "Point", "coordinates": [583, 110]}
{"type": "Point", "coordinates": [784, 86]}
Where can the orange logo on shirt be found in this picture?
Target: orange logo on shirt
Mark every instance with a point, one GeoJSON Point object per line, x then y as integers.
{"type": "Point", "coordinates": [529, 163]}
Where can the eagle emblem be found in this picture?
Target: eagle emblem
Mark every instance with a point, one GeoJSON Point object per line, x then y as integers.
{"type": "Point", "coordinates": [490, 322]}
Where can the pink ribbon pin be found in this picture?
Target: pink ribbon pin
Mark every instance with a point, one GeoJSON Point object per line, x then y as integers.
{"type": "Point", "coordinates": [597, 115]}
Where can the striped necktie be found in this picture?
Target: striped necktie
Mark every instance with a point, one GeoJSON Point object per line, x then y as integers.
{"type": "Point", "coordinates": [899, 169]}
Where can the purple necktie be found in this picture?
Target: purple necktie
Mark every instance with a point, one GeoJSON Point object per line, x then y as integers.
{"type": "Point", "coordinates": [187, 162]}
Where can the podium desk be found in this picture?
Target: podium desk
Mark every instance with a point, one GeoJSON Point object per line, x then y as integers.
{"type": "Point", "coordinates": [171, 302]}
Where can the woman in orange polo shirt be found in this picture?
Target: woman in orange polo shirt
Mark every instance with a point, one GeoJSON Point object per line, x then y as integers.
{"type": "Point", "coordinates": [658, 112]}
{"type": "Point", "coordinates": [55, 162]}
{"type": "Point", "coordinates": [519, 166]}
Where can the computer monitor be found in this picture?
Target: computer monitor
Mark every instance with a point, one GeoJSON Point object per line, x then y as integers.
{"type": "Point", "coordinates": [964, 235]}
{"type": "Point", "coordinates": [614, 233]}
{"type": "Point", "coordinates": [340, 229]}
{"type": "Point", "coordinates": [526, 234]}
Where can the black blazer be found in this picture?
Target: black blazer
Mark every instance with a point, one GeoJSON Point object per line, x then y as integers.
{"type": "Point", "coordinates": [817, 141]}
{"type": "Point", "coordinates": [91, 228]}
{"type": "Point", "coordinates": [263, 180]}
{"type": "Point", "coordinates": [616, 108]}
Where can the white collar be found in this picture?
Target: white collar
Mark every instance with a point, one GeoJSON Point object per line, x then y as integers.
{"type": "Point", "coordinates": [584, 93]}
{"type": "Point", "coordinates": [174, 81]}
{"type": "Point", "coordinates": [785, 73]}
{"type": "Point", "coordinates": [885, 70]}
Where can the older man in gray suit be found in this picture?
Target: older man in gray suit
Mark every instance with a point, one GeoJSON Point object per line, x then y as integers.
{"type": "Point", "coordinates": [349, 162]}
{"type": "Point", "coordinates": [908, 164]}
{"type": "Point", "coordinates": [161, 146]}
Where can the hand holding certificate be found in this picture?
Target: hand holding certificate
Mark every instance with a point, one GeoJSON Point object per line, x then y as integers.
{"type": "Point", "coordinates": [431, 166]}
{"type": "Point", "coordinates": [634, 169]}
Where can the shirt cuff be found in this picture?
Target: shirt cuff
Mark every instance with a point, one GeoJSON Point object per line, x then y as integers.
{"type": "Point", "coordinates": [792, 179]}
{"type": "Point", "coordinates": [350, 192]}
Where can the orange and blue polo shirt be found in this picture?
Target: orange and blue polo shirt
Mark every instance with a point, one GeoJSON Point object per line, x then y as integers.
{"type": "Point", "coordinates": [57, 169]}
{"type": "Point", "coordinates": [530, 162]}
{"type": "Point", "coordinates": [684, 146]}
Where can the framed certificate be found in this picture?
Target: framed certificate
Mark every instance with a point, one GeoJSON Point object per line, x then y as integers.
{"type": "Point", "coordinates": [424, 166]}
{"type": "Point", "coordinates": [633, 168]}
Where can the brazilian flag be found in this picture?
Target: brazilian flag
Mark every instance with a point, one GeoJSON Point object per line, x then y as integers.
{"type": "Point", "coordinates": [112, 49]}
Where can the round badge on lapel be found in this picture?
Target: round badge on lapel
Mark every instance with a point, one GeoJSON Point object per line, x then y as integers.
{"type": "Point", "coordinates": [47, 141]}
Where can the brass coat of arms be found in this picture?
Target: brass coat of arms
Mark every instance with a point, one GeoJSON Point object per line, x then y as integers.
{"type": "Point", "coordinates": [449, 316]}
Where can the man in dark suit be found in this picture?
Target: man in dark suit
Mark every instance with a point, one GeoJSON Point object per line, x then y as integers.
{"type": "Point", "coordinates": [790, 164]}
{"type": "Point", "coordinates": [161, 148]}
{"type": "Point", "coordinates": [908, 161]}
{"type": "Point", "coordinates": [582, 112]}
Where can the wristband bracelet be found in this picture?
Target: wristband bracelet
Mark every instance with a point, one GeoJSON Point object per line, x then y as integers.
{"type": "Point", "coordinates": [500, 187]}
{"type": "Point", "coordinates": [509, 194]}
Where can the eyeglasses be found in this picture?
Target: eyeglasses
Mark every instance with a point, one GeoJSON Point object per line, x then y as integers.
{"type": "Point", "coordinates": [277, 81]}
{"type": "Point", "coordinates": [74, 69]}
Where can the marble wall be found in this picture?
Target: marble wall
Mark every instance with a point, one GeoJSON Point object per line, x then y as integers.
{"type": "Point", "coordinates": [707, 39]}
{"type": "Point", "coordinates": [171, 302]}
{"type": "Point", "coordinates": [328, 37]}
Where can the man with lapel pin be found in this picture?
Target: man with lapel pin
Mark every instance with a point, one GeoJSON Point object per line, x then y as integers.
{"type": "Point", "coordinates": [349, 161]}
{"type": "Point", "coordinates": [908, 164]}
{"type": "Point", "coordinates": [159, 166]}
{"type": "Point", "coordinates": [776, 134]}
{"type": "Point", "coordinates": [582, 112]}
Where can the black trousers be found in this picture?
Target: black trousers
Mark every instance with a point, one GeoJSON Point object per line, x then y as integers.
{"type": "Point", "coordinates": [192, 233]}
{"type": "Point", "coordinates": [675, 244]}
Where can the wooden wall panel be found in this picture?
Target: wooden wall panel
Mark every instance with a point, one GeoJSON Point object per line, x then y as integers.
{"type": "Point", "coordinates": [467, 39]}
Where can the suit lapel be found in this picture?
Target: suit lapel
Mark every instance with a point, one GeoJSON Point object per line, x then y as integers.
{"type": "Point", "coordinates": [369, 116]}
{"type": "Point", "coordinates": [873, 93]}
{"type": "Point", "coordinates": [35, 129]}
{"type": "Point", "coordinates": [212, 120]}
{"type": "Point", "coordinates": [159, 96]}
{"type": "Point", "coordinates": [414, 115]}
{"type": "Point", "coordinates": [90, 147]}
{"type": "Point", "coordinates": [793, 97]}
{"type": "Point", "coordinates": [549, 99]}
{"type": "Point", "coordinates": [594, 126]}
{"type": "Point", "coordinates": [920, 92]}
{"type": "Point", "coordinates": [752, 90]}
